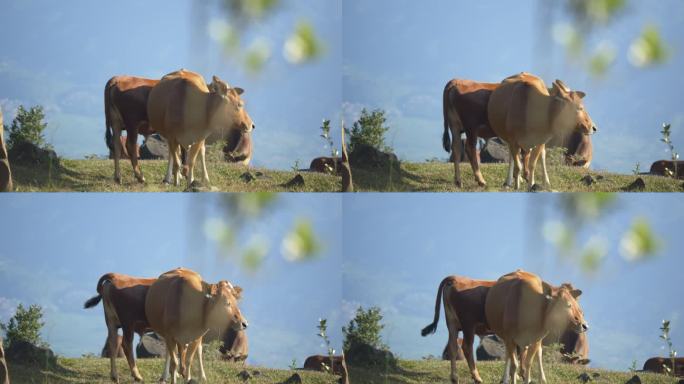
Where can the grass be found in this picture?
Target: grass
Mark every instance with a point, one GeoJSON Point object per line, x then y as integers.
{"type": "Point", "coordinates": [439, 177]}
{"type": "Point", "coordinates": [437, 371]}
{"type": "Point", "coordinates": [96, 175]}
{"type": "Point", "coordinates": [96, 370]}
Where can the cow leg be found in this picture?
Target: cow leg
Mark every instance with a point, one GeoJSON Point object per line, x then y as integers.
{"type": "Point", "coordinates": [467, 347]}
{"type": "Point", "coordinates": [518, 167]}
{"type": "Point", "coordinates": [192, 156]}
{"type": "Point", "coordinates": [113, 342]}
{"type": "Point", "coordinates": [128, 351]}
{"type": "Point", "coordinates": [131, 142]}
{"type": "Point", "coordinates": [542, 376]}
{"type": "Point", "coordinates": [205, 174]}
{"type": "Point", "coordinates": [452, 344]}
{"type": "Point", "coordinates": [532, 163]}
{"type": "Point", "coordinates": [456, 152]}
{"type": "Point", "coordinates": [513, 162]}
{"type": "Point", "coordinates": [173, 361]}
{"type": "Point", "coordinates": [116, 127]}
{"type": "Point", "coordinates": [169, 167]}
{"type": "Point", "coordinates": [511, 371]}
{"type": "Point", "coordinates": [547, 183]}
{"type": "Point", "coordinates": [196, 347]}
{"type": "Point", "coordinates": [526, 359]}
{"type": "Point", "coordinates": [474, 156]}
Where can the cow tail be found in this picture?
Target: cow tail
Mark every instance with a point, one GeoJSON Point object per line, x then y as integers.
{"type": "Point", "coordinates": [95, 300]}
{"type": "Point", "coordinates": [433, 326]}
{"type": "Point", "coordinates": [446, 140]}
{"type": "Point", "coordinates": [108, 117]}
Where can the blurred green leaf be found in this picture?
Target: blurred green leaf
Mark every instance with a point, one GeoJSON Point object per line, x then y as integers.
{"type": "Point", "coordinates": [639, 242]}
{"type": "Point", "coordinates": [602, 59]}
{"type": "Point", "coordinates": [254, 254]}
{"type": "Point", "coordinates": [303, 45]}
{"type": "Point", "coordinates": [301, 243]}
{"type": "Point", "coordinates": [649, 48]}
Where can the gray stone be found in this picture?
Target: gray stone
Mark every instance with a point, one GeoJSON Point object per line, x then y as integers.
{"type": "Point", "coordinates": [154, 148]}
{"type": "Point", "coordinates": [495, 150]}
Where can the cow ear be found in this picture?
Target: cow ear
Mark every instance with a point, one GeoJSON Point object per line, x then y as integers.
{"type": "Point", "coordinates": [238, 292]}
{"type": "Point", "coordinates": [576, 293]}
{"type": "Point", "coordinates": [580, 94]}
{"type": "Point", "coordinates": [238, 90]}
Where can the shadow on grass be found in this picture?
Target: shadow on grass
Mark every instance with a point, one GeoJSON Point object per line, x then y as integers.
{"type": "Point", "coordinates": [389, 179]}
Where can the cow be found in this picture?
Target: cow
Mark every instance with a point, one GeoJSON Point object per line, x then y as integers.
{"type": "Point", "coordinates": [235, 345]}
{"type": "Point", "coordinates": [522, 310]}
{"type": "Point", "coordinates": [574, 346]}
{"type": "Point", "coordinates": [182, 308]}
{"type": "Point", "coordinates": [668, 168]}
{"type": "Point", "coordinates": [125, 107]}
{"type": "Point", "coordinates": [658, 364]}
{"type": "Point", "coordinates": [185, 111]}
{"type": "Point", "coordinates": [464, 108]}
{"type": "Point", "coordinates": [123, 299]}
{"type": "Point", "coordinates": [464, 309]}
{"type": "Point", "coordinates": [119, 349]}
{"type": "Point", "coordinates": [523, 112]}
{"type": "Point", "coordinates": [320, 362]}
{"type": "Point", "coordinates": [124, 150]}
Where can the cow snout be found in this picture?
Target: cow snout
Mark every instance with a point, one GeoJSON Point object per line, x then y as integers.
{"type": "Point", "coordinates": [585, 327]}
{"type": "Point", "coordinates": [594, 129]}
{"type": "Point", "coordinates": [244, 325]}
{"type": "Point", "coordinates": [253, 126]}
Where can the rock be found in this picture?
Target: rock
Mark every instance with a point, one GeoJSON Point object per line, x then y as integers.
{"type": "Point", "coordinates": [5, 172]}
{"type": "Point", "coordinates": [366, 355]}
{"type": "Point", "coordinates": [634, 380]}
{"type": "Point", "coordinates": [28, 354]}
{"type": "Point", "coordinates": [490, 348]}
{"type": "Point", "coordinates": [637, 185]}
{"type": "Point", "coordinates": [244, 375]}
{"type": "Point", "coordinates": [247, 177]}
{"type": "Point", "coordinates": [151, 345]}
{"type": "Point", "coordinates": [367, 157]}
{"type": "Point", "coordinates": [297, 181]}
{"type": "Point", "coordinates": [4, 372]}
{"type": "Point", "coordinates": [495, 150]}
{"type": "Point", "coordinates": [294, 379]}
{"type": "Point", "coordinates": [105, 348]}
{"type": "Point", "coordinates": [584, 377]}
{"type": "Point", "coordinates": [30, 154]}
{"type": "Point", "coordinates": [667, 168]}
{"type": "Point", "coordinates": [154, 148]}
{"type": "Point", "coordinates": [588, 180]}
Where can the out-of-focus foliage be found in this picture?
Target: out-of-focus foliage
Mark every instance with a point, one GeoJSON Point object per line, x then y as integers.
{"type": "Point", "coordinates": [581, 215]}
{"type": "Point", "coordinates": [241, 212]}
{"type": "Point", "coordinates": [301, 243]}
{"type": "Point", "coordinates": [588, 18]}
{"type": "Point", "coordinates": [245, 16]}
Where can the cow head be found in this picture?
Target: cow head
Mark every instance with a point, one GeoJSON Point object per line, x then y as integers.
{"type": "Point", "coordinates": [232, 105]}
{"type": "Point", "coordinates": [563, 311]}
{"type": "Point", "coordinates": [224, 313]}
{"type": "Point", "coordinates": [583, 122]}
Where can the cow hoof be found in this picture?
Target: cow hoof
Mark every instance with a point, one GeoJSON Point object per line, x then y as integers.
{"type": "Point", "coordinates": [141, 179]}
{"type": "Point", "coordinates": [458, 184]}
{"type": "Point", "coordinates": [117, 180]}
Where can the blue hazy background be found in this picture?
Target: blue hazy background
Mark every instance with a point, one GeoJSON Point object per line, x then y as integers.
{"type": "Point", "coordinates": [60, 55]}
{"type": "Point", "coordinates": [55, 248]}
{"type": "Point", "coordinates": [398, 55]}
{"type": "Point", "coordinates": [404, 245]}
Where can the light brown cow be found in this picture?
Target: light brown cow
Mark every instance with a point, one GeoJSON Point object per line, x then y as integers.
{"type": "Point", "coordinates": [123, 299]}
{"type": "Point", "coordinates": [522, 309]}
{"type": "Point", "coordinates": [125, 104]}
{"type": "Point", "coordinates": [185, 111]}
{"type": "Point", "coordinates": [523, 112]}
{"type": "Point", "coordinates": [182, 308]}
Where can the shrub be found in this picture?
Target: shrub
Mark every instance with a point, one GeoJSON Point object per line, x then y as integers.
{"type": "Point", "coordinates": [25, 325]}
{"type": "Point", "coordinates": [369, 129]}
{"type": "Point", "coordinates": [362, 342]}
{"type": "Point", "coordinates": [27, 126]}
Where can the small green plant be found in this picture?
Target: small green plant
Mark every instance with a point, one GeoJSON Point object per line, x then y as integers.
{"type": "Point", "coordinates": [25, 325]}
{"type": "Point", "coordinates": [665, 335]}
{"type": "Point", "coordinates": [633, 367]}
{"type": "Point", "coordinates": [637, 168]}
{"type": "Point", "coordinates": [293, 364]}
{"type": "Point", "coordinates": [334, 153]}
{"type": "Point", "coordinates": [369, 129]}
{"type": "Point", "coordinates": [295, 166]}
{"type": "Point", "coordinates": [673, 154]}
{"type": "Point", "coordinates": [323, 334]}
{"type": "Point", "coordinates": [27, 126]}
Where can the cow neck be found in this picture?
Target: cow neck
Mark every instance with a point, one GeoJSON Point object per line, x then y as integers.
{"type": "Point", "coordinates": [206, 306]}
{"type": "Point", "coordinates": [213, 106]}
{"type": "Point", "coordinates": [558, 109]}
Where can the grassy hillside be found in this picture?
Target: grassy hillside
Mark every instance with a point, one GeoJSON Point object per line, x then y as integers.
{"type": "Point", "coordinates": [439, 177]}
{"type": "Point", "coordinates": [92, 370]}
{"type": "Point", "coordinates": [437, 371]}
{"type": "Point", "coordinates": [98, 176]}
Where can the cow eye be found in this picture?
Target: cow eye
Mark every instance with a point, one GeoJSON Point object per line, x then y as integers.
{"type": "Point", "coordinates": [569, 306]}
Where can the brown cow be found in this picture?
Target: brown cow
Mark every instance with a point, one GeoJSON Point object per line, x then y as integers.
{"type": "Point", "coordinates": [119, 349]}
{"type": "Point", "coordinates": [124, 150]}
{"type": "Point", "coordinates": [125, 104]}
{"type": "Point", "coordinates": [124, 307]}
{"type": "Point", "coordinates": [181, 308]}
{"type": "Point", "coordinates": [526, 115]}
{"type": "Point", "coordinates": [667, 168]}
{"type": "Point", "coordinates": [235, 345]}
{"type": "Point", "coordinates": [658, 364]}
{"type": "Point", "coordinates": [319, 362]}
{"type": "Point", "coordinates": [522, 309]}
{"type": "Point", "coordinates": [446, 353]}
{"type": "Point", "coordinates": [185, 111]}
{"type": "Point", "coordinates": [464, 107]}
